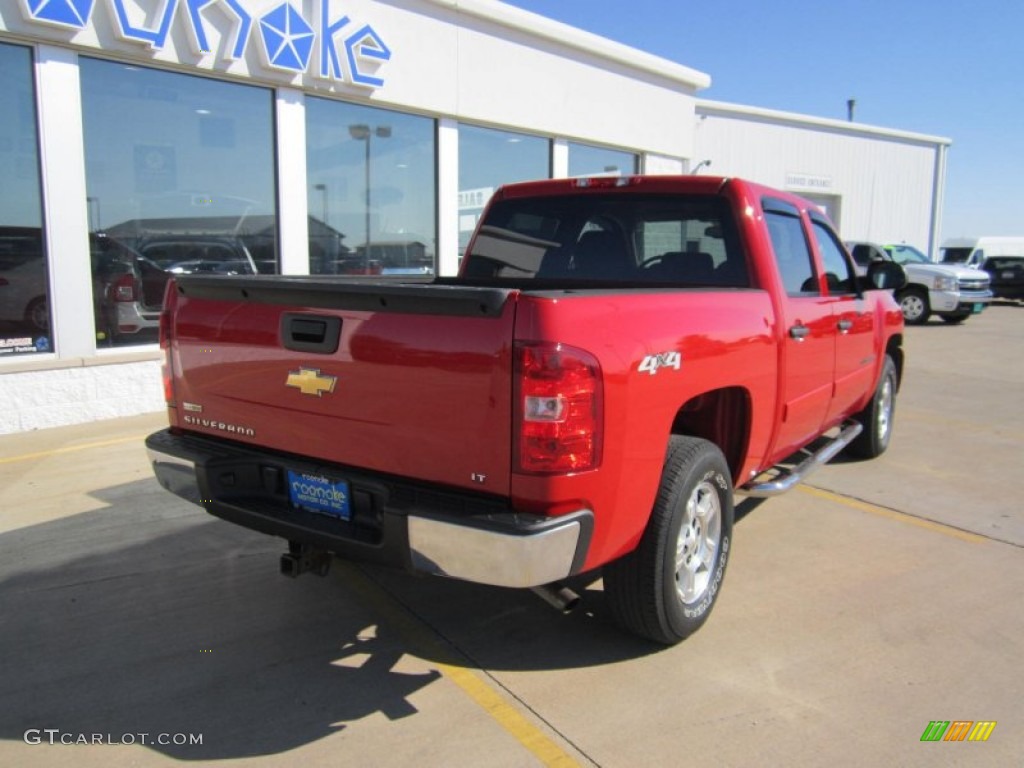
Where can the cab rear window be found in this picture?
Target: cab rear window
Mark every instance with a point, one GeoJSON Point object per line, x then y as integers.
{"type": "Point", "coordinates": [626, 239]}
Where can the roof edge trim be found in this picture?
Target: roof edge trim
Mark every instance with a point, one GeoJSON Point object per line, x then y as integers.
{"type": "Point", "coordinates": [572, 37]}
{"type": "Point", "coordinates": [705, 106]}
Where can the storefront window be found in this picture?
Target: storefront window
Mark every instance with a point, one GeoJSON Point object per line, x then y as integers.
{"type": "Point", "coordinates": [372, 177]}
{"type": "Point", "coordinates": [180, 179]}
{"type": "Point", "coordinates": [24, 290]}
{"type": "Point", "coordinates": [587, 160]}
{"type": "Point", "coordinates": [488, 159]}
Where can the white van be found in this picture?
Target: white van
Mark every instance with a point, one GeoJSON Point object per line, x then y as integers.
{"type": "Point", "coordinates": [972, 251]}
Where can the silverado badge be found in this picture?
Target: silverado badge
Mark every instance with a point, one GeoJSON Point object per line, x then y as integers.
{"type": "Point", "coordinates": [309, 381]}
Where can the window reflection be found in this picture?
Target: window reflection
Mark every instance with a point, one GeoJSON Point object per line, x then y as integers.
{"type": "Point", "coordinates": [24, 290]}
{"type": "Point", "coordinates": [489, 158]}
{"type": "Point", "coordinates": [180, 179]}
{"type": "Point", "coordinates": [587, 160]}
{"type": "Point", "coordinates": [372, 182]}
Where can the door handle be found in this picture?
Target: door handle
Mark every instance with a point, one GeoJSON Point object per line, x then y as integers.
{"type": "Point", "coordinates": [845, 325]}
{"type": "Point", "coordinates": [798, 332]}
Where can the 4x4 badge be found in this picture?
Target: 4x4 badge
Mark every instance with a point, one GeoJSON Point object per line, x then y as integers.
{"type": "Point", "coordinates": [309, 381]}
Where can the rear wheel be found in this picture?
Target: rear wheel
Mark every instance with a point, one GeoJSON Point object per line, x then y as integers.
{"type": "Point", "coordinates": [914, 305]}
{"type": "Point", "coordinates": [877, 417]}
{"type": "Point", "coordinates": [37, 315]}
{"type": "Point", "coordinates": [665, 589]}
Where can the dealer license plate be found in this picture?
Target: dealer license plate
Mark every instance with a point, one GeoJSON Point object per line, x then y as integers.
{"type": "Point", "coordinates": [978, 307]}
{"type": "Point", "coordinates": [319, 494]}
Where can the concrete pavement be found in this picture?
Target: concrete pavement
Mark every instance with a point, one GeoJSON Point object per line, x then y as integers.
{"type": "Point", "coordinates": [882, 596]}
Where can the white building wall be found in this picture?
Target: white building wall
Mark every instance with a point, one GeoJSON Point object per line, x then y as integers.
{"type": "Point", "coordinates": [81, 392]}
{"type": "Point", "coordinates": [475, 61]}
{"type": "Point", "coordinates": [877, 184]}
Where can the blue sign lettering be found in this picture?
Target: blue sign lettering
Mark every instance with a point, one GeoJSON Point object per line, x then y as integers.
{"type": "Point", "coordinates": [286, 35]}
{"type": "Point", "coordinates": [327, 49]}
{"type": "Point", "coordinates": [365, 44]}
{"type": "Point", "coordinates": [155, 37]}
{"type": "Point", "coordinates": [199, 31]}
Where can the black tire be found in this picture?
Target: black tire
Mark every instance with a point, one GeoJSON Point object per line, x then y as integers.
{"type": "Point", "coordinates": [955, 319]}
{"type": "Point", "coordinates": [665, 589]}
{"type": "Point", "coordinates": [37, 315]}
{"type": "Point", "coordinates": [914, 305]}
{"type": "Point", "coordinates": [877, 416]}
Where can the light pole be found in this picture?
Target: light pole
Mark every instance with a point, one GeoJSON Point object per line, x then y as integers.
{"type": "Point", "coordinates": [363, 132]}
{"type": "Point", "coordinates": [91, 201]}
{"type": "Point", "coordinates": [322, 189]}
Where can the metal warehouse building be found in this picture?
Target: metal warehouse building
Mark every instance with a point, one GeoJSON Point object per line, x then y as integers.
{"type": "Point", "coordinates": [142, 138]}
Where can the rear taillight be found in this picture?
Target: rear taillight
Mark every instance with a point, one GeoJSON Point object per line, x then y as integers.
{"type": "Point", "coordinates": [125, 288]}
{"type": "Point", "coordinates": [607, 182]}
{"type": "Point", "coordinates": [558, 409]}
{"type": "Point", "coordinates": [166, 333]}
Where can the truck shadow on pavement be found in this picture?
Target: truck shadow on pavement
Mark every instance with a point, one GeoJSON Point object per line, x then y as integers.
{"type": "Point", "coordinates": [149, 617]}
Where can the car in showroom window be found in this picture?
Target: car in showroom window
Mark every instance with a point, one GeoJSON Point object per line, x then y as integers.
{"type": "Point", "coordinates": [180, 179]}
{"type": "Point", "coordinates": [24, 273]}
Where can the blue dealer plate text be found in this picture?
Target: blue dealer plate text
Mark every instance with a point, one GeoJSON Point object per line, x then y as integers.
{"type": "Point", "coordinates": [318, 494]}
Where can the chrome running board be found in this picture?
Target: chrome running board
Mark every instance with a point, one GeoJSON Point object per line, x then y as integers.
{"type": "Point", "coordinates": [787, 478]}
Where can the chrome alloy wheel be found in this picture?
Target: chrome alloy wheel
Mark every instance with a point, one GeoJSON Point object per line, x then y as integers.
{"type": "Point", "coordinates": [913, 307]}
{"type": "Point", "coordinates": [697, 546]}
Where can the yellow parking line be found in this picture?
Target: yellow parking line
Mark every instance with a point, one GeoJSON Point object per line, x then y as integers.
{"type": "Point", "coordinates": [485, 695]}
{"type": "Point", "coordinates": [71, 449]}
{"type": "Point", "coordinates": [508, 717]}
{"type": "Point", "coordinates": [892, 514]}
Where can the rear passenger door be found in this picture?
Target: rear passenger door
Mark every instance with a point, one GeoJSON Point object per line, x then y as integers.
{"type": "Point", "coordinates": [855, 360]}
{"type": "Point", "coordinates": [809, 330]}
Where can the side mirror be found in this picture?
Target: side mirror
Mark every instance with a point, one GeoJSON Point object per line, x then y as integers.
{"type": "Point", "coordinates": [885, 275]}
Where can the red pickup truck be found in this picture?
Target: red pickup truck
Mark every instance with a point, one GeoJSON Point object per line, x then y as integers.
{"type": "Point", "coordinates": [614, 358]}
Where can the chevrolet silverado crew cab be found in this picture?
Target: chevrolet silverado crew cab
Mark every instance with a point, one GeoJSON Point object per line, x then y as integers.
{"type": "Point", "coordinates": [953, 292]}
{"type": "Point", "coordinates": [615, 357]}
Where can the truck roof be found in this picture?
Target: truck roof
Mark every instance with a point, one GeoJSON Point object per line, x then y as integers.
{"type": "Point", "coordinates": [667, 184]}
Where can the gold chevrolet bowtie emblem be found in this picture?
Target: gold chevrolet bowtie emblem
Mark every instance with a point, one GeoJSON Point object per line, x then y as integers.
{"type": "Point", "coordinates": [309, 381]}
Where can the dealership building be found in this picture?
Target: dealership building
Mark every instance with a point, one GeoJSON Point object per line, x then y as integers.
{"type": "Point", "coordinates": [141, 138]}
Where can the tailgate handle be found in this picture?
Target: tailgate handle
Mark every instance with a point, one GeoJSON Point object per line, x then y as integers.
{"type": "Point", "coordinates": [310, 333]}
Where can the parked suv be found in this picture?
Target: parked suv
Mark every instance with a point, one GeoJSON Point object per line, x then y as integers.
{"type": "Point", "coordinates": [973, 251]}
{"type": "Point", "coordinates": [952, 292]}
{"type": "Point", "coordinates": [131, 282]}
{"type": "Point", "coordinates": [1007, 273]}
{"type": "Point", "coordinates": [23, 279]}
{"type": "Point", "coordinates": [128, 289]}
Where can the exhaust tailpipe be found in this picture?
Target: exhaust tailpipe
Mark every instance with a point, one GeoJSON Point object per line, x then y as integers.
{"type": "Point", "coordinates": [558, 596]}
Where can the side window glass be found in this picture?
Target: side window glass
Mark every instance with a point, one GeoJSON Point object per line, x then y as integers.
{"type": "Point", "coordinates": [837, 269]}
{"type": "Point", "coordinates": [792, 254]}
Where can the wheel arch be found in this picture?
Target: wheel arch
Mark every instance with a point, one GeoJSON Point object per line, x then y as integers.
{"type": "Point", "coordinates": [894, 349]}
{"type": "Point", "coordinates": [720, 416]}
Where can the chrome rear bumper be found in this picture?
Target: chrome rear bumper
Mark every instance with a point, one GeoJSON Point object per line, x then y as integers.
{"type": "Point", "coordinates": [487, 544]}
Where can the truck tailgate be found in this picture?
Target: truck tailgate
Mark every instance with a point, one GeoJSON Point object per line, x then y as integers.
{"type": "Point", "coordinates": [404, 379]}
